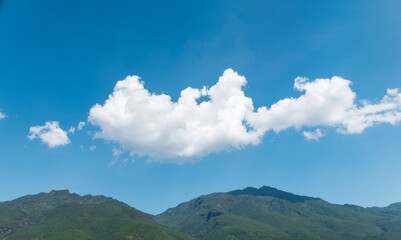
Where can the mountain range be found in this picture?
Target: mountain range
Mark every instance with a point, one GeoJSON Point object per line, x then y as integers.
{"type": "Point", "coordinates": [60, 215]}
{"type": "Point", "coordinates": [250, 213]}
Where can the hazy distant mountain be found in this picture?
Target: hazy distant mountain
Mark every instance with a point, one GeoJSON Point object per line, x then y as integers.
{"type": "Point", "coordinates": [268, 213]}
{"type": "Point", "coordinates": [60, 215]}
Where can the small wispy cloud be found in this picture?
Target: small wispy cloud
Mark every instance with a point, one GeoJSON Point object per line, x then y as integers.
{"type": "Point", "coordinates": [71, 130]}
{"type": "Point", "coordinates": [79, 127]}
{"type": "Point", "coordinates": [2, 115]}
{"type": "Point", "coordinates": [117, 151]}
{"type": "Point", "coordinates": [50, 134]}
{"type": "Point", "coordinates": [315, 135]}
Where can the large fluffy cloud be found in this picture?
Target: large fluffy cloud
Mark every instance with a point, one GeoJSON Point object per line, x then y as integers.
{"type": "Point", "coordinates": [147, 123]}
{"type": "Point", "coordinates": [50, 133]}
{"type": "Point", "coordinates": [151, 124]}
{"type": "Point", "coordinates": [327, 102]}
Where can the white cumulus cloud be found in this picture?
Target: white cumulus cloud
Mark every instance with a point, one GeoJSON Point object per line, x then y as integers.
{"type": "Point", "coordinates": [327, 102]}
{"type": "Point", "coordinates": [152, 124]}
{"type": "Point", "coordinates": [148, 123]}
{"type": "Point", "coordinates": [50, 133]}
{"type": "Point", "coordinates": [315, 135]}
{"type": "Point", "coordinates": [2, 115]}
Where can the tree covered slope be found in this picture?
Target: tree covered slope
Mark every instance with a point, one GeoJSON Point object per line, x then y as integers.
{"type": "Point", "coordinates": [61, 215]}
{"type": "Point", "coordinates": [268, 213]}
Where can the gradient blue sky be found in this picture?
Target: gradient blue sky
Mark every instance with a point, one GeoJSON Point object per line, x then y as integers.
{"type": "Point", "coordinates": [59, 58]}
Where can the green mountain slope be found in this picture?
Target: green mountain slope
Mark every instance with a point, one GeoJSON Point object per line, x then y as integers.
{"type": "Point", "coordinates": [61, 215]}
{"type": "Point", "coordinates": [393, 209]}
{"type": "Point", "coordinates": [265, 213]}
{"type": "Point", "coordinates": [268, 213]}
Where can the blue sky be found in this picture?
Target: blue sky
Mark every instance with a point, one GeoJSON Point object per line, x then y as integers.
{"type": "Point", "coordinates": [60, 58]}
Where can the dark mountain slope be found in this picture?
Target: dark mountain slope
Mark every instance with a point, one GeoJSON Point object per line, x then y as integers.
{"type": "Point", "coordinates": [272, 192]}
{"type": "Point", "coordinates": [61, 215]}
{"type": "Point", "coordinates": [268, 213]}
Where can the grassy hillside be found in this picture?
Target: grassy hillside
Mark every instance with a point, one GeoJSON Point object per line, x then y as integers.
{"type": "Point", "coordinates": [60, 215]}
{"type": "Point", "coordinates": [268, 213]}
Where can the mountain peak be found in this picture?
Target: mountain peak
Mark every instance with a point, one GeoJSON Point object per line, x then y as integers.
{"type": "Point", "coordinates": [271, 192]}
{"type": "Point", "coordinates": [37, 203]}
{"type": "Point", "coordinates": [65, 191]}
